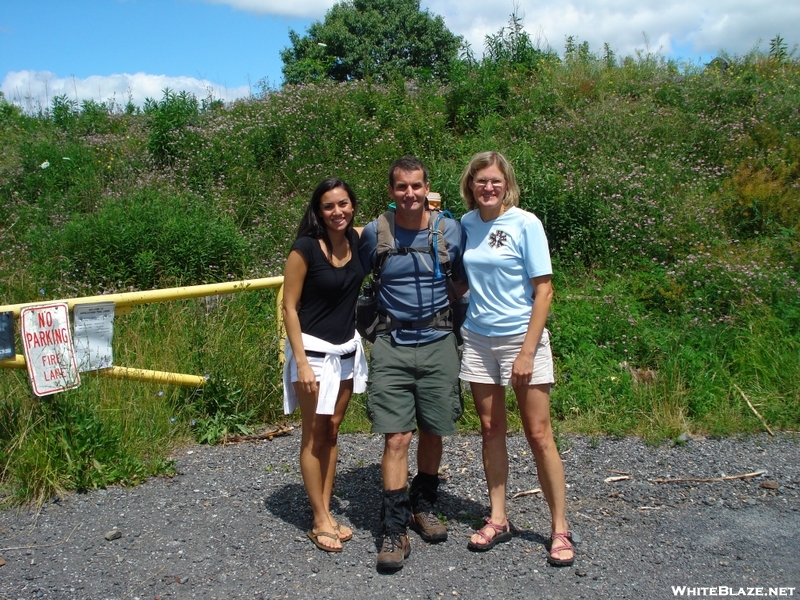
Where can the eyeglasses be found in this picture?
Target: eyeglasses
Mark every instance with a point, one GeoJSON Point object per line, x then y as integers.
{"type": "Point", "coordinates": [492, 182]}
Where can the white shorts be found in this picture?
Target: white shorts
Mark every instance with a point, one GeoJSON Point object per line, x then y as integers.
{"type": "Point", "coordinates": [348, 367]}
{"type": "Point", "coordinates": [486, 359]}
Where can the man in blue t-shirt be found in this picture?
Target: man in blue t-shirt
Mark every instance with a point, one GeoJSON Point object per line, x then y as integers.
{"type": "Point", "coordinates": [413, 372]}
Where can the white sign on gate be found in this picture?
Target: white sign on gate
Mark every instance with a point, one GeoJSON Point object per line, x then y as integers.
{"type": "Point", "coordinates": [47, 341]}
{"type": "Point", "coordinates": [94, 328]}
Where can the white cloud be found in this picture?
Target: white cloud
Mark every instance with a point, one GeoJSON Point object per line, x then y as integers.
{"type": "Point", "coordinates": [33, 90]}
{"type": "Point", "coordinates": [680, 27]}
{"type": "Point", "coordinates": [307, 9]}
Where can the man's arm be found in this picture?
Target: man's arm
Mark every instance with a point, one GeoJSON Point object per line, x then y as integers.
{"type": "Point", "coordinates": [457, 242]}
{"type": "Point", "coordinates": [367, 243]}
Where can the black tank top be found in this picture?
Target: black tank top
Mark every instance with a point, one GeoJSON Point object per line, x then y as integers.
{"type": "Point", "coordinates": [328, 301]}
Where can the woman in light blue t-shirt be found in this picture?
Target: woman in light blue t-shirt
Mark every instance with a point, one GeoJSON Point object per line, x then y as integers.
{"type": "Point", "coordinates": [506, 343]}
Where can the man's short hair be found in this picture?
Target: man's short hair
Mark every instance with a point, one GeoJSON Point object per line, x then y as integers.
{"type": "Point", "coordinates": [408, 163]}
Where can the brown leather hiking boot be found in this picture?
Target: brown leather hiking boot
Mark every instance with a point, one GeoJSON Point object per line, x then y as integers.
{"type": "Point", "coordinates": [394, 550]}
{"type": "Point", "coordinates": [427, 524]}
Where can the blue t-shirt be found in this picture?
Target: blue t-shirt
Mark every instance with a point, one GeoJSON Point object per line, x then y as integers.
{"type": "Point", "coordinates": [501, 257]}
{"type": "Point", "coordinates": [409, 289]}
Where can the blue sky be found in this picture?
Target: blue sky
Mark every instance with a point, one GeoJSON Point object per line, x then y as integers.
{"type": "Point", "coordinates": [73, 40]}
{"type": "Point", "coordinates": [102, 49]}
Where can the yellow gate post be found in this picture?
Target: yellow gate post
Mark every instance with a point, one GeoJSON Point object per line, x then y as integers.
{"type": "Point", "coordinates": [124, 300]}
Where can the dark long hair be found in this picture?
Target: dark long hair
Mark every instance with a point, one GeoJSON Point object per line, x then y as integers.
{"type": "Point", "coordinates": [312, 223]}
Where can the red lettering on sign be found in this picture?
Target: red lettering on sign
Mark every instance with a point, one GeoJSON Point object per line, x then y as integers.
{"type": "Point", "coordinates": [48, 349]}
{"type": "Point", "coordinates": [54, 374]}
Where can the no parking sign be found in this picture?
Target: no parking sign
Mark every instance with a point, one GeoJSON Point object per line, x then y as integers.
{"type": "Point", "coordinates": [49, 354]}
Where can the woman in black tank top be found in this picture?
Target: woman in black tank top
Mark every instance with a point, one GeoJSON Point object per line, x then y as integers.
{"type": "Point", "coordinates": [322, 280]}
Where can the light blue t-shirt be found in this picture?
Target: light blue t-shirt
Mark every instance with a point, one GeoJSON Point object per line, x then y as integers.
{"type": "Point", "coordinates": [409, 290]}
{"type": "Point", "coordinates": [501, 257]}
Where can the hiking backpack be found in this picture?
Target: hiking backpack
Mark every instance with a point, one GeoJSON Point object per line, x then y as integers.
{"type": "Point", "coordinates": [370, 321]}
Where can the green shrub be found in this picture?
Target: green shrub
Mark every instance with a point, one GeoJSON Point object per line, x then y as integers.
{"type": "Point", "coordinates": [66, 445]}
{"type": "Point", "coordinates": [148, 239]}
{"type": "Point", "coordinates": [219, 411]}
{"type": "Point", "coordinates": [56, 178]}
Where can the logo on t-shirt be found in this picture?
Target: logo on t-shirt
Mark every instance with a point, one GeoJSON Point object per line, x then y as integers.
{"type": "Point", "coordinates": [498, 239]}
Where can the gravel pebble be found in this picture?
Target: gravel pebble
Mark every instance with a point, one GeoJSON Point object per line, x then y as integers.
{"type": "Point", "coordinates": [232, 522]}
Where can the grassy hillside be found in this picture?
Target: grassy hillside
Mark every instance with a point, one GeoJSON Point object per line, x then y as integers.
{"type": "Point", "coordinates": [670, 195]}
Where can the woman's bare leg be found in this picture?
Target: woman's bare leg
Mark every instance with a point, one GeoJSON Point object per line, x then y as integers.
{"type": "Point", "coordinates": [490, 405]}
{"type": "Point", "coordinates": [534, 408]}
{"type": "Point", "coordinates": [318, 455]}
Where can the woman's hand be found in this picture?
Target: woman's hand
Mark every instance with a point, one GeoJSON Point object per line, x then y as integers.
{"type": "Point", "coordinates": [522, 370]}
{"type": "Point", "coordinates": [306, 378]}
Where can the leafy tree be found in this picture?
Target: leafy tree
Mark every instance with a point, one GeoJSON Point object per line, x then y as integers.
{"type": "Point", "coordinates": [65, 111]}
{"type": "Point", "coordinates": [375, 39]}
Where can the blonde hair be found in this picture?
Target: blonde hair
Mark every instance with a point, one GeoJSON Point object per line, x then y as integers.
{"type": "Point", "coordinates": [481, 161]}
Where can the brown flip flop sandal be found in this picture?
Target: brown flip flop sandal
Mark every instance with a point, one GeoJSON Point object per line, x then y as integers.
{"type": "Point", "coordinates": [338, 529]}
{"type": "Point", "coordinates": [314, 537]}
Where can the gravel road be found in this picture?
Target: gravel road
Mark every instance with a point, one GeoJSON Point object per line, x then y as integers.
{"type": "Point", "coordinates": [231, 524]}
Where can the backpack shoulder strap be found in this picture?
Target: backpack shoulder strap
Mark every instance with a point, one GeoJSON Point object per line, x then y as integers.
{"type": "Point", "coordinates": [385, 232]}
{"type": "Point", "coordinates": [436, 227]}
{"type": "Point", "coordinates": [386, 242]}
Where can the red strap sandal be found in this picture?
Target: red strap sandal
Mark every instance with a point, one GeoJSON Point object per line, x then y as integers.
{"type": "Point", "coordinates": [502, 533]}
{"type": "Point", "coordinates": [566, 544]}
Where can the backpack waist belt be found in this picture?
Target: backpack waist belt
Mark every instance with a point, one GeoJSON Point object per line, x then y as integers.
{"type": "Point", "coordinates": [442, 319]}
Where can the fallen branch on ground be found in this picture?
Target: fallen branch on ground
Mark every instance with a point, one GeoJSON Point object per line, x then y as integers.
{"type": "Point", "coordinates": [32, 546]}
{"type": "Point", "coordinates": [527, 493]}
{"type": "Point", "coordinates": [264, 435]}
{"type": "Point", "coordinates": [711, 480]}
{"type": "Point", "coordinates": [580, 514]}
{"type": "Point", "coordinates": [753, 408]}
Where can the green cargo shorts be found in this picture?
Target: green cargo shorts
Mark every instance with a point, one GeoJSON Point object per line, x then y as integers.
{"type": "Point", "coordinates": [412, 386]}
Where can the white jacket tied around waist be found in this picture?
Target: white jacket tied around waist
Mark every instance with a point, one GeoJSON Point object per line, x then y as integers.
{"type": "Point", "coordinates": [331, 372]}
